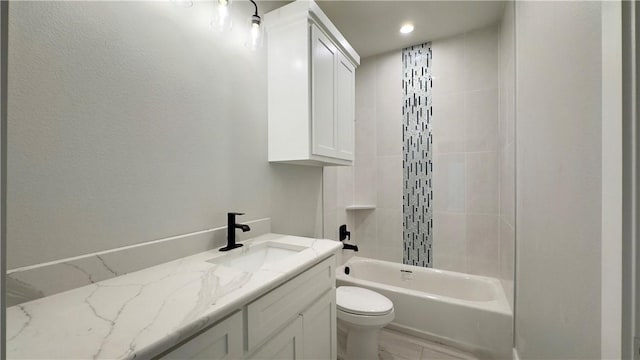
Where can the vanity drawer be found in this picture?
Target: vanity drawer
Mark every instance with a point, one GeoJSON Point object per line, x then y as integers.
{"type": "Point", "coordinates": [222, 341]}
{"type": "Point", "coordinates": [282, 304]}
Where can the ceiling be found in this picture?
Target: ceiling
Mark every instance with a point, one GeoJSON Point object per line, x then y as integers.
{"type": "Point", "coordinates": [372, 27]}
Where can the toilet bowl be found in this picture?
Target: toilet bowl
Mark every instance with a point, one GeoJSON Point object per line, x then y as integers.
{"type": "Point", "coordinates": [362, 313]}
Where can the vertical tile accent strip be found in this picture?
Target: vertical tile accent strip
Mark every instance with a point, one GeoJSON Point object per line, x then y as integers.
{"type": "Point", "coordinates": [417, 162]}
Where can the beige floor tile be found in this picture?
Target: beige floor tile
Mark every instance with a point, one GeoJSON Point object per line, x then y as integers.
{"type": "Point", "coordinates": [395, 345]}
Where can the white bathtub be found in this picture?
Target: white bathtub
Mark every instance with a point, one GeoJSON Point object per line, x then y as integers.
{"type": "Point", "coordinates": [466, 311]}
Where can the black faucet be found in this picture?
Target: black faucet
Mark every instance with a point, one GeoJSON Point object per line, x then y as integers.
{"type": "Point", "coordinates": [350, 247]}
{"type": "Point", "coordinates": [231, 231]}
{"type": "Point", "coordinates": [344, 234]}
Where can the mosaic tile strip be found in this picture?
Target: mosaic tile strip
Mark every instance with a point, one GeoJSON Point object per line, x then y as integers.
{"type": "Point", "coordinates": [417, 155]}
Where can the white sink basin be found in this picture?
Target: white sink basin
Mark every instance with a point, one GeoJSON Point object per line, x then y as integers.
{"type": "Point", "coordinates": [253, 258]}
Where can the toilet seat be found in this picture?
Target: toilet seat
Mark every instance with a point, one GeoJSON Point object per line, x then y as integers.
{"type": "Point", "coordinates": [359, 301]}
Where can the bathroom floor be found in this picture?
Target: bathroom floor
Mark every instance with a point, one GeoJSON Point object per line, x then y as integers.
{"type": "Point", "coordinates": [398, 346]}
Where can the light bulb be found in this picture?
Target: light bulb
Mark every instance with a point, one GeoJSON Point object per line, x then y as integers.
{"type": "Point", "coordinates": [221, 20]}
{"type": "Point", "coordinates": [254, 40]}
{"type": "Point", "coordinates": [406, 28]}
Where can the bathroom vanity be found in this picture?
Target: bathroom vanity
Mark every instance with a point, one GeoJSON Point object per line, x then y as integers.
{"type": "Point", "coordinates": [294, 321]}
{"type": "Point", "coordinates": [274, 298]}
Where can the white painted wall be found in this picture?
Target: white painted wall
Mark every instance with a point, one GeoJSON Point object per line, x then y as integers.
{"type": "Point", "coordinates": [467, 144]}
{"type": "Point", "coordinates": [558, 185]}
{"type": "Point", "coordinates": [134, 121]}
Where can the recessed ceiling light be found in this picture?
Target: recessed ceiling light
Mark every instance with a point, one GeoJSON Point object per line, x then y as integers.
{"type": "Point", "coordinates": [406, 28]}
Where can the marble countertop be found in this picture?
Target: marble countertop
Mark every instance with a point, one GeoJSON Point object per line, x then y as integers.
{"type": "Point", "coordinates": [141, 314]}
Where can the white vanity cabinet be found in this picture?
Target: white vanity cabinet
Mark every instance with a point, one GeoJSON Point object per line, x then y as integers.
{"type": "Point", "coordinates": [311, 87]}
{"type": "Point", "coordinates": [296, 320]}
{"type": "Point", "coordinates": [311, 335]}
{"type": "Point", "coordinates": [299, 316]}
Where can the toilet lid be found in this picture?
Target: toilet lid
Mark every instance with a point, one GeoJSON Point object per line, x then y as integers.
{"type": "Point", "coordinates": [360, 301]}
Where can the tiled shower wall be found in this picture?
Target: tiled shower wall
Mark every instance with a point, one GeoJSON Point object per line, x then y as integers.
{"type": "Point", "coordinates": [466, 152]}
{"type": "Point", "coordinates": [472, 232]}
{"type": "Point", "coordinates": [376, 176]}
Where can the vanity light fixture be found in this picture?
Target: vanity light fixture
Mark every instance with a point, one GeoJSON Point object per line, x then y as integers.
{"type": "Point", "coordinates": [406, 28]}
{"type": "Point", "coordinates": [221, 20]}
{"type": "Point", "coordinates": [255, 36]}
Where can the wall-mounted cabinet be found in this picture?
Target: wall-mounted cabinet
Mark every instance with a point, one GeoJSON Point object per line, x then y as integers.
{"type": "Point", "coordinates": [311, 87]}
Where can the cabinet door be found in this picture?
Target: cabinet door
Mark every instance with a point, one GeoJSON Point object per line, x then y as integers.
{"type": "Point", "coordinates": [222, 341]}
{"type": "Point", "coordinates": [345, 100]}
{"type": "Point", "coordinates": [323, 79]}
{"type": "Point", "coordinates": [287, 345]}
{"type": "Point", "coordinates": [319, 327]}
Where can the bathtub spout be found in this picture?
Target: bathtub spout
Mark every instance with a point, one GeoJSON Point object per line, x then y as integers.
{"type": "Point", "coordinates": [350, 247]}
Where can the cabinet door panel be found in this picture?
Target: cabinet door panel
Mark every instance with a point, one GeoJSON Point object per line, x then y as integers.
{"type": "Point", "coordinates": [324, 55]}
{"type": "Point", "coordinates": [345, 99]}
{"type": "Point", "coordinates": [279, 306]}
{"type": "Point", "coordinates": [220, 342]}
{"type": "Point", "coordinates": [287, 345]}
{"type": "Point", "coordinates": [319, 327]}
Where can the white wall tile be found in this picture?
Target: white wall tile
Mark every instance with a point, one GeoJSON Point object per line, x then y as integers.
{"type": "Point", "coordinates": [389, 104]}
{"type": "Point", "coordinates": [449, 241]}
{"type": "Point", "coordinates": [345, 185]}
{"type": "Point", "coordinates": [482, 182]}
{"type": "Point", "coordinates": [365, 179]}
{"type": "Point", "coordinates": [365, 110]}
{"type": "Point", "coordinates": [482, 244]}
{"type": "Point", "coordinates": [466, 161]}
{"type": "Point", "coordinates": [481, 120]}
{"type": "Point", "coordinates": [365, 233]}
{"type": "Point", "coordinates": [481, 59]}
{"type": "Point", "coordinates": [448, 65]}
{"type": "Point", "coordinates": [448, 122]}
{"type": "Point", "coordinates": [507, 104]}
{"type": "Point", "coordinates": [330, 188]}
{"type": "Point", "coordinates": [389, 227]}
{"type": "Point", "coordinates": [449, 182]}
{"type": "Point", "coordinates": [507, 258]}
{"type": "Point", "coordinates": [390, 253]}
{"type": "Point", "coordinates": [507, 184]}
{"type": "Point", "coordinates": [330, 224]}
{"type": "Point", "coordinates": [389, 182]}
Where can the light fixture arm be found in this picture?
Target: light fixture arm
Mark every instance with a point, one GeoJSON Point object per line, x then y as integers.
{"type": "Point", "coordinates": [256, 6]}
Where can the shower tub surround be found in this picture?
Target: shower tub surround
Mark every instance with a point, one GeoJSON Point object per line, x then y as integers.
{"type": "Point", "coordinates": [468, 312]}
{"type": "Point", "coordinates": [144, 313]}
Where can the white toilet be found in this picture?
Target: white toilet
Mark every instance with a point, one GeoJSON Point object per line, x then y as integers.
{"type": "Point", "coordinates": [362, 313]}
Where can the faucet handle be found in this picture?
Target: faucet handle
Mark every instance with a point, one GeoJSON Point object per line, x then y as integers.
{"type": "Point", "coordinates": [344, 234]}
{"type": "Point", "coordinates": [235, 213]}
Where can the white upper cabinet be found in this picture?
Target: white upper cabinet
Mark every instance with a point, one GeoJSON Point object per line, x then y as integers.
{"type": "Point", "coordinates": [311, 87]}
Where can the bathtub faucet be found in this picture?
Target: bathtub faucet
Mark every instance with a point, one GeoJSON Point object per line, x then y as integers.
{"type": "Point", "coordinates": [350, 247]}
{"type": "Point", "coordinates": [344, 235]}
